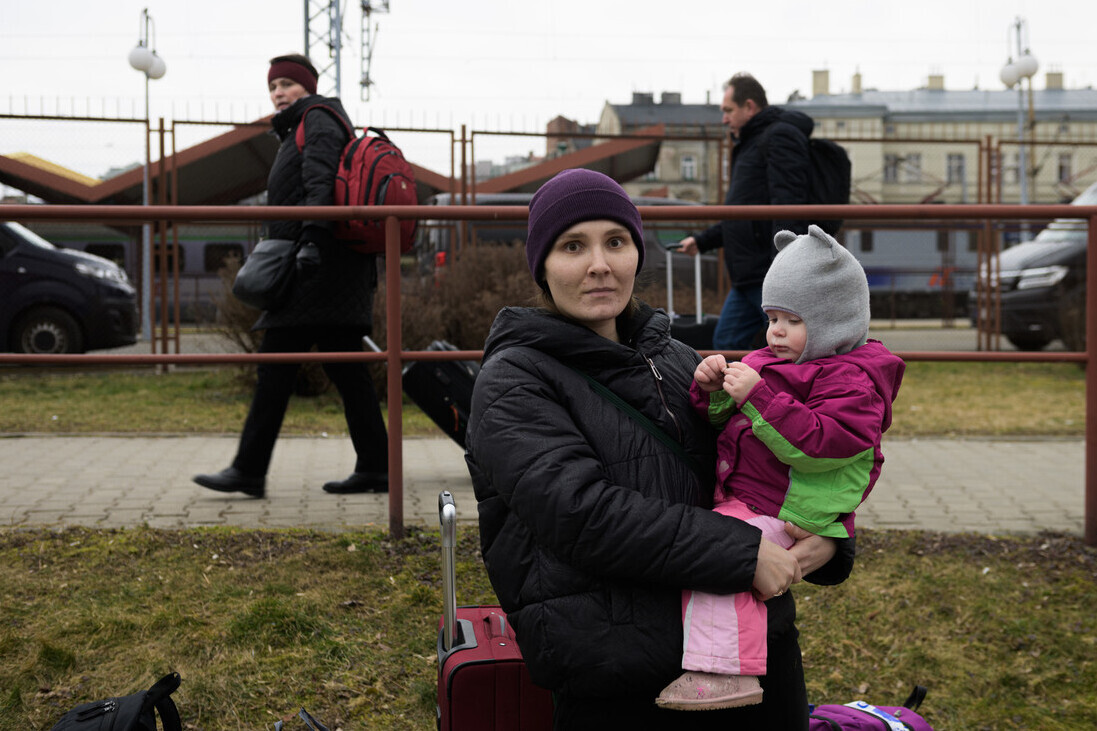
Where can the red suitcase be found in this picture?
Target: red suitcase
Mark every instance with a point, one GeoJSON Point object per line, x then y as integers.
{"type": "Point", "coordinates": [483, 683]}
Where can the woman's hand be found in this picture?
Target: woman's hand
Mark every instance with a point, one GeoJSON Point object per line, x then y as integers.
{"type": "Point", "coordinates": [710, 373]}
{"type": "Point", "coordinates": [812, 552]}
{"type": "Point", "coordinates": [776, 570]}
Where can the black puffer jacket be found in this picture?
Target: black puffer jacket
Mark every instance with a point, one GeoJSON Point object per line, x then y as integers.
{"type": "Point", "coordinates": [335, 285]}
{"type": "Point", "coordinates": [587, 522]}
{"type": "Point", "coordinates": [770, 165]}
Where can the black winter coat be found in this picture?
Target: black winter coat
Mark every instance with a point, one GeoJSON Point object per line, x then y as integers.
{"type": "Point", "coordinates": [335, 285]}
{"type": "Point", "coordinates": [588, 524]}
{"type": "Point", "coordinates": [770, 165]}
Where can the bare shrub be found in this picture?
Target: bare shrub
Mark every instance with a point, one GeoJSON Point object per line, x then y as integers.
{"type": "Point", "coordinates": [461, 301]}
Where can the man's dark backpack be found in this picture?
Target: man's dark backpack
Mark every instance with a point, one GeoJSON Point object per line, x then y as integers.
{"type": "Point", "coordinates": [831, 178]}
{"type": "Point", "coordinates": [372, 172]}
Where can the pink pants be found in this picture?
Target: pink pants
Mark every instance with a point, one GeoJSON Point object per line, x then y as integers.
{"type": "Point", "coordinates": [727, 633]}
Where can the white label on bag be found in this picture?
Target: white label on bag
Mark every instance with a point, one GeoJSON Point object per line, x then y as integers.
{"type": "Point", "coordinates": [893, 723]}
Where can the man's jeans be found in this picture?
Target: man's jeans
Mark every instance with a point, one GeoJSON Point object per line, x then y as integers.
{"type": "Point", "coordinates": [740, 320]}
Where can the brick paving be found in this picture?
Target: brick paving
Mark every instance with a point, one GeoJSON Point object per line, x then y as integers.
{"type": "Point", "coordinates": [956, 485]}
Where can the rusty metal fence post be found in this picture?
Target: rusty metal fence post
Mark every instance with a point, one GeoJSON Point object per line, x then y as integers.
{"type": "Point", "coordinates": [1090, 473]}
{"type": "Point", "coordinates": [394, 380]}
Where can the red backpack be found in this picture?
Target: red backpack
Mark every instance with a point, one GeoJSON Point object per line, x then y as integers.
{"type": "Point", "coordinates": [372, 172]}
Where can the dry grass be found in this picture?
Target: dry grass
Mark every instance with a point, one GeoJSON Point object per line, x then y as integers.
{"type": "Point", "coordinates": [968, 399]}
{"type": "Point", "coordinates": [991, 399]}
{"type": "Point", "coordinates": [260, 623]}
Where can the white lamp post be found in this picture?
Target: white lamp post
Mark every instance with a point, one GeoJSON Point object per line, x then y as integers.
{"type": "Point", "coordinates": [143, 58]}
{"type": "Point", "coordinates": [1014, 73]}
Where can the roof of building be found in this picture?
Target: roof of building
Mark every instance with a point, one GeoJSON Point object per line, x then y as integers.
{"type": "Point", "coordinates": [644, 115]}
{"type": "Point", "coordinates": [918, 105]}
{"type": "Point", "coordinates": [943, 105]}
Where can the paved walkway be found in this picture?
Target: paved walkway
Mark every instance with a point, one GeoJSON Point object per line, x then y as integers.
{"type": "Point", "coordinates": [989, 486]}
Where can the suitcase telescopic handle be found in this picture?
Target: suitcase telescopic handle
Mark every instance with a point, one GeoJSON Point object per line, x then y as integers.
{"type": "Point", "coordinates": [447, 517]}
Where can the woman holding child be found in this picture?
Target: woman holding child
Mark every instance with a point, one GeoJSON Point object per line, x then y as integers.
{"type": "Point", "coordinates": [595, 479]}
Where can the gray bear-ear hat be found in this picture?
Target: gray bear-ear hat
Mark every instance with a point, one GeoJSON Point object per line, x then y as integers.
{"type": "Point", "coordinates": [817, 279]}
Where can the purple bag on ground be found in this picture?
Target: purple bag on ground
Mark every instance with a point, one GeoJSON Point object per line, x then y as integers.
{"type": "Point", "coordinates": [861, 716]}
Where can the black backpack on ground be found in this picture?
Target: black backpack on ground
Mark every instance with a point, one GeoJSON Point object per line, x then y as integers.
{"type": "Point", "coordinates": [136, 712]}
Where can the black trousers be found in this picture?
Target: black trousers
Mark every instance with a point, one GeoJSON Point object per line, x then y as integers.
{"type": "Point", "coordinates": [784, 705]}
{"type": "Point", "coordinates": [275, 386]}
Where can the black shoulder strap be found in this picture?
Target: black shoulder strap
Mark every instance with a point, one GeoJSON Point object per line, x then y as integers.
{"type": "Point", "coordinates": [916, 697]}
{"type": "Point", "coordinates": [159, 695]}
{"type": "Point", "coordinates": [631, 411]}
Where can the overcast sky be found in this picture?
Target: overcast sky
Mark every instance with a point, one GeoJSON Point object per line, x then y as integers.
{"type": "Point", "coordinates": [494, 64]}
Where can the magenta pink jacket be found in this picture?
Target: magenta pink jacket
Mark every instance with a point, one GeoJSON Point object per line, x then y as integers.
{"type": "Point", "coordinates": [805, 446]}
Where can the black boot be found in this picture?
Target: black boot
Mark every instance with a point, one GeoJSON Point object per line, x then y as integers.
{"type": "Point", "coordinates": [360, 482]}
{"type": "Point", "coordinates": [231, 479]}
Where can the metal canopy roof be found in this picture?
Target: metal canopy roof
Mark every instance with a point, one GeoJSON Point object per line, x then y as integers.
{"type": "Point", "coordinates": [221, 171]}
{"type": "Point", "coordinates": [233, 166]}
{"type": "Point", "coordinates": [621, 158]}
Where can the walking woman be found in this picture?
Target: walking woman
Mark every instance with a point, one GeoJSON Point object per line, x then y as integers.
{"type": "Point", "coordinates": [330, 304]}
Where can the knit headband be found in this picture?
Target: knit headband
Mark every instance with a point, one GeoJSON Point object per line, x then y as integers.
{"type": "Point", "coordinates": [293, 71]}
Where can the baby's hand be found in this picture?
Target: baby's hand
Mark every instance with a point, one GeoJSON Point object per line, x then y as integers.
{"type": "Point", "coordinates": [739, 379]}
{"type": "Point", "coordinates": [710, 373]}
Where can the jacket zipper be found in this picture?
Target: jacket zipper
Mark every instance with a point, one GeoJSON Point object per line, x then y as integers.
{"type": "Point", "coordinates": [659, 387]}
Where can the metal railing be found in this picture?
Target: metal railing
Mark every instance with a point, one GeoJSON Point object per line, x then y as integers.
{"type": "Point", "coordinates": [395, 356]}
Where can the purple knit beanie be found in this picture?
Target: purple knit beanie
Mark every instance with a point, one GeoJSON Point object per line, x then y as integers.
{"type": "Point", "coordinates": [570, 197]}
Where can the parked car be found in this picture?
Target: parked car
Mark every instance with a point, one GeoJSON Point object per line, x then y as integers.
{"type": "Point", "coordinates": [59, 300]}
{"type": "Point", "coordinates": [1043, 284]}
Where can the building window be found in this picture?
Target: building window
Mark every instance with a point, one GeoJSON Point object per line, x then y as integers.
{"type": "Point", "coordinates": [942, 242]}
{"type": "Point", "coordinates": [866, 241]}
{"type": "Point", "coordinates": [214, 256]}
{"type": "Point", "coordinates": [1065, 173]}
{"type": "Point", "coordinates": [912, 168]}
{"type": "Point", "coordinates": [955, 167]}
{"type": "Point", "coordinates": [841, 126]}
{"type": "Point", "coordinates": [1012, 173]}
{"type": "Point", "coordinates": [891, 168]}
{"type": "Point", "coordinates": [689, 167]}
{"type": "Point", "coordinates": [169, 260]}
{"type": "Point", "coordinates": [889, 129]}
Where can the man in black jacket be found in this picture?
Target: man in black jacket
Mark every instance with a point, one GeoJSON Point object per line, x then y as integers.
{"type": "Point", "coordinates": [770, 165]}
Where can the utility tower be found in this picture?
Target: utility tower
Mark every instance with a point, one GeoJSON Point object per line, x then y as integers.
{"type": "Point", "coordinates": [324, 42]}
{"type": "Point", "coordinates": [369, 37]}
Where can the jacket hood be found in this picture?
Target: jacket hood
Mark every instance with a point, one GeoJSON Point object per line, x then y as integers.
{"type": "Point", "coordinates": [884, 369]}
{"type": "Point", "coordinates": [534, 327]}
{"type": "Point", "coordinates": [773, 114]}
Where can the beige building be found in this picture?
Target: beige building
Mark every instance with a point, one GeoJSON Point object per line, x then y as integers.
{"type": "Point", "coordinates": [926, 145]}
{"type": "Point", "coordinates": [688, 166]}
